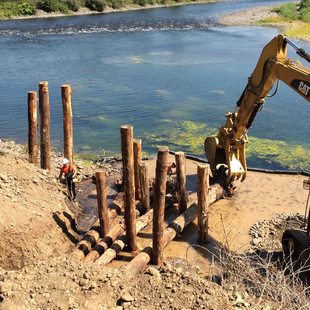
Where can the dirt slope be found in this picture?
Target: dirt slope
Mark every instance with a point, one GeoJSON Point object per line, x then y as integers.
{"type": "Point", "coordinates": [29, 198]}
{"type": "Point", "coordinates": [37, 272]}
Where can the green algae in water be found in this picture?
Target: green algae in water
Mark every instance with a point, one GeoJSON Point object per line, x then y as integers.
{"type": "Point", "coordinates": [189, 137]}
{"type": "Point", "coordinates": [289, 156]}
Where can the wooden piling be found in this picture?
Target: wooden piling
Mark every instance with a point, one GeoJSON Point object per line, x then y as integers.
{"type": "Point", "coordinates": [137, 151]}
{"type": "Point", "coordinates": [66, 94]}
{"type": "Point", "coordinates": [33, 128]}
{"type": "Point", "coordinates": [139, 262]}
{"type": "Point", "coordinates": [159, 204]}
{"type": "Point", "coordinates": [145, 190]}
{"type": "Point", "coordinates": [45, 142]}
{"type": "Point", "coordinates": [181, 181]}
{"type": "Point", "coordinates": [203, 172]}
{"type": "Point", "coordinates": [129, 186]}
{"type": "Point", "coordinates": [102, 203]}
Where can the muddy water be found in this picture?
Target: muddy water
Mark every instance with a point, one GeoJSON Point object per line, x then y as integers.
{"type": "Point", "coordinates": [87, 211]}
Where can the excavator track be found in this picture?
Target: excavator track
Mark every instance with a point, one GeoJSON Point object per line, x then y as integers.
{"type": "Point", "coordinates": [296, 248]}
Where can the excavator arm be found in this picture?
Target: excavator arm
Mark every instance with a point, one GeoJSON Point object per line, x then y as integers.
{"type": "Point", "coordinates": [228, 147]}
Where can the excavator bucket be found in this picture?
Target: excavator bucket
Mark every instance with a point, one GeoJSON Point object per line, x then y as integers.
{"type": "Point", "coordinates": [211, 150]}
{"type": "Point", "coordinates": [231, 157]}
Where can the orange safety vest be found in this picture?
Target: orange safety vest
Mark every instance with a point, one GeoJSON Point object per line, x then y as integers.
{"type": "Point", "coordinates": [66, 169]}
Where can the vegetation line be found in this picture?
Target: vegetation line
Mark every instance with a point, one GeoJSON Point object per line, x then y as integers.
{"type": "Point", "coordinates": [41, 8]}
{"type": "Point", "coordinates": [293, 19]}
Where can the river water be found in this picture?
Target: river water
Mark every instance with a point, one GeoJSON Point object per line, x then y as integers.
{"type": "Point", "coordinates": [173, 73]}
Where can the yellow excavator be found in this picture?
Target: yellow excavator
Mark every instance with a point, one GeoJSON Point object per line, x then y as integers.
{"type": "Point", "coordinates": [227, 148]}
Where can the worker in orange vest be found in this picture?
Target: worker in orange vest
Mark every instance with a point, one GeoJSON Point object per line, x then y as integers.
{"type": "Point", "coordinates": [69, 171]}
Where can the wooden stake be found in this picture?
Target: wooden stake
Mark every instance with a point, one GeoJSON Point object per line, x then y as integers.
{"type": "Point", "coordinates": [44, 108]}
{"type": "Point", "coordinates": [66, 93]}
{"type": "Point", "coordinates": [129, 186]}
{"type": "Point", "coordinates": [159, 204]}
{"type": "Point", "coordinates": [181, 181]}
{"type": "Point", "coordinates": [203, 172]}
{"type": "Point", "coordinates": [137, 151]}
{"type": "Point", "coordinates": [33, 128]}
{"type": "Point", "coordinates": [102, 203]}
{"type": "Point", "coordinates": [145, 190]}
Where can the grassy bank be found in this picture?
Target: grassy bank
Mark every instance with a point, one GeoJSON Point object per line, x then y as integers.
{"type": "Point", "coordinates": [294, 18]}
{"type": "Point", "coordinates": [18, 8]}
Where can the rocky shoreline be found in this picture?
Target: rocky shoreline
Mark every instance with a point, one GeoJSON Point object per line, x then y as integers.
{"type": "Point", "coordinates": [247, 17]}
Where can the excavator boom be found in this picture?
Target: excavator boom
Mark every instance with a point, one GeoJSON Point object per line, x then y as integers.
{"type": "Point", "coordinates": [228, 146]}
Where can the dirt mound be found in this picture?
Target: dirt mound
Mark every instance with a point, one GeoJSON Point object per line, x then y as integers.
{"type": "Point", "coordinates": [29, 198]}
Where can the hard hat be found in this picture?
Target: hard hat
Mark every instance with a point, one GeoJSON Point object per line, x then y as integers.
{"type": "Point", "coordinates": [65, 161]}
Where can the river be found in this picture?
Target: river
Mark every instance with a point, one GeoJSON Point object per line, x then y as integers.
{"type": "Point", "coordinates": [171, 72]}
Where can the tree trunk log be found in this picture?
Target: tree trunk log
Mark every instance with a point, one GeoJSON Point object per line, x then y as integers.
{"type": "Point", "coordinates": [140, 262]}
{"type": "Point", "coordinates": [44, 108]}
{"type": "Point", "coordinates": [120, 242]}
{"type": "Point", "coordinates": [66, 93]}
{"type": "Point", "coordinates": [159, 204]}
{"type": "Point", "coordinates": [92, 236]}
{"type": "Point", "coordinates": [33, 128]}
{"type": "Point", "coordinates": [145, 189]}
{"type": "Point", "coordinates": [203, 173]}
{"type": "Point", "coordinates": [104, 243]}
{"type": "Point", "coordinates": [102, 203]}
{"type": "Point", "coordinates": [129, 185]}
{"type": "Point", "coordinates": [137, 151]}
{"type": "Point", "coordinates": [180, 160]}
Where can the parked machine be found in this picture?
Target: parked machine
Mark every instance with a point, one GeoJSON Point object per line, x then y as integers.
{"type": "Point", "coordinates": [227, 149]}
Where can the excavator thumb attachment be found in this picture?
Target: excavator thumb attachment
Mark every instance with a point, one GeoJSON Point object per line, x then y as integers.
{"type": "Point", "coordinates": [232, 157]}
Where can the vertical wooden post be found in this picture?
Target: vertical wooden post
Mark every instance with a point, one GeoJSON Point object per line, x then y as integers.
{"type": "Point", "coordinates": [44, 108]}
{"type": "Point", "coordinates": [145, 190]}
{"type": "Point", "coordinates": [159, 205]}
{"type": "Point", "coordinates": [203, 171]}
{"type": "Point", "coordinates": [102, 203]}
{"type": "Point", "coordinates": [181, 180]}
{"type": "Point", "coordinates": [129, 186]}
{"type": "Point", "coordinates": [137, 151]}
{"type": "Point", "coordinates": [33, 128]}
{"type": "Point", "coordinates": [66, 93]}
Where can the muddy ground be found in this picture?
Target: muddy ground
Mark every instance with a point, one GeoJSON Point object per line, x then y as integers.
{"type": "Point", "coordinates": [38, 272]}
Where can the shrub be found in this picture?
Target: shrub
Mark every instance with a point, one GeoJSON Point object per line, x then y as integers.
{"type": "Point", "coordinates": [95, 5]}
{"type": "Point", "coordinates": [116, 4]}
{"type": "Point", "coordinates": [26, 8]}
{"type": "Point", "coordinates": [73, 5]}
{"type": "Point", "coordinates": [56, 6]}
{"type": "Point", "coordinates": [305, 15]}
{"type": "Point", "coordinates": [47, 5]}
{"type": "Point", "coordinates": [288, 11]}
{"type": "Point", "coordinates": [304, 4]}
{"type": "Point", "coordinates": [141, 2]}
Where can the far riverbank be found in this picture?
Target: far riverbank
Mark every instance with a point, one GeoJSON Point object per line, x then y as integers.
{"type": "Point", "coordinates": [85, 11]}
{"type": "Point", "coordinates": [263, 15]}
